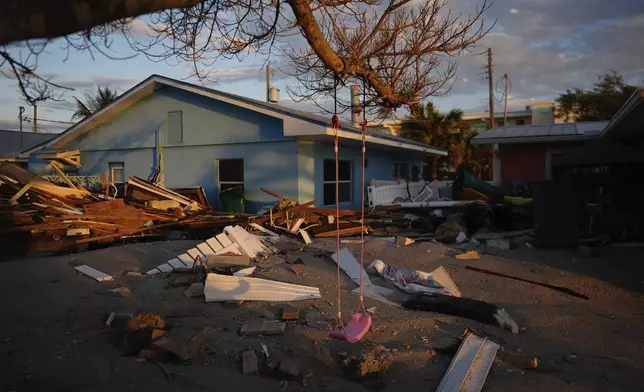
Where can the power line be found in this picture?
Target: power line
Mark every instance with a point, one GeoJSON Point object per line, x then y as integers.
{"type": "Point", "coordinates": [30, 119]}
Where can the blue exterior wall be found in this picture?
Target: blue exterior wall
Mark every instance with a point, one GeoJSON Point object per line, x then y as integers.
{"type": "Point", "coordinates": [380, 164]}
{"type": "Point", "coordinates": [215, 130]}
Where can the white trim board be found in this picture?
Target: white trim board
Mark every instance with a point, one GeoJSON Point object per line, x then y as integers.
{"type": "Point", "coordinates": [232, 288]}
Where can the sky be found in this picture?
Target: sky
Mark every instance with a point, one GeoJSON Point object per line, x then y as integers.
{"type": "Point", "coordinates": [545, 46]}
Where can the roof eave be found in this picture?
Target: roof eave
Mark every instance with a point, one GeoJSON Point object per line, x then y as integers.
{"type": "Point", "coordinates": [534, 139]}
{"type": "Point", "coordinates": [628, 107]}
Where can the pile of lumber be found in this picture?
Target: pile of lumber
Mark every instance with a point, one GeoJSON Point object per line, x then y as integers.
{"type": "Point", "coordinates": [61, 217]}
{"type": "Point", "coordinates": [306, 221]}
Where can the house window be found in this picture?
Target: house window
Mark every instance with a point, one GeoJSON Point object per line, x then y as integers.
{"type": "Point", "coordinates": [400, 171]}
{"type": "Point", "coordinates": [174, 127]}
{"type": "Point", "coordinates": [117, 172]}
{"type": "Point", "coordinates": [415, 173]}
{"type": "Point", "coordinates": [344, 182]}
{"type": "Point", "coordinates": [520, 121]}
{"type": "Point", "coordinates": [231, 173]}
{"type": "Point", "coordinates": [427, 174]}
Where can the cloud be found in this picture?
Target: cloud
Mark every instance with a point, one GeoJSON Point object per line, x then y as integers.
{"type": "Point", "coordinates": [549, 46]}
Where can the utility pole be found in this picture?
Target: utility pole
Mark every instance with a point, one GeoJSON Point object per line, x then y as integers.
{"type": "Point", "coordinates": [490, 77]}
{"type": "Point", "coordinates": [268, 82]}
{"type": "Point", "coordinates": [21, 110]}
{"type": "Point", "coordinates": [505, 106]}
{"type": "Point", "coordinates": [35, 118]}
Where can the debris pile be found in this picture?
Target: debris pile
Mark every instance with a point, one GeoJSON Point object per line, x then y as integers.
{"type": "Point", "coordinates": [66, 217]}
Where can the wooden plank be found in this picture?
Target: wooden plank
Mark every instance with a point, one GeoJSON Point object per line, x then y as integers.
{"type": "Point", "coordinates": [29, 184]}
{"type": "Point", "coordinates": [263, 229]}
{"type": "Point", "coordinates": [232, 249]}
{"type": "Point", "coordinates": [214, 244]}
{"type": "Point", "coordinates": [196, 254]}
{"type": "Point", "coordinates": [349, 231]}
{"type": "Point", "coordinates": [157, 190]}
{"type": "Point", "coordinates": [167, 268]}
{"type": "Point", "coordinates": [205, 249]}
{"type": "Point", "coordinates": [63, 175]}
{"type": "Point", "coordinates": [351, 267]}
{"type": "Point", "coordinates": [93, 273]}
{"type": "Point", "coordinates": [223, 240]}
{"type": "Point", "coordinates": [305, 236]}
{"type": "Point", "coordinates": [187, 260]}
{"type": "Point", "coordinates": [176, 263]}
{"type": "Point", "coordinates": [296, 226]}
{"type": "Point", "coordinates": [153, 271]}
{"type": "Point", "coordinates": [322, 211]}
{"type": "Point", "coordinates": [78, 231]}
{"type": "Point", "coordinates": [241, 241]}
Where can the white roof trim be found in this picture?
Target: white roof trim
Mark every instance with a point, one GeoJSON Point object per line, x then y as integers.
{"type": "Point", "coordinates": [293, 125]}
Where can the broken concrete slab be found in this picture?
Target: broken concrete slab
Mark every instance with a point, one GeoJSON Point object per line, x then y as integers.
{"type": "Point", "coordinates": [195, 290]}
{"type": "Point", "coordinates": [249, 362]}
{"type": "Point", "coordinates": [223, 259]}
{"type": "Point", "coordinates": [502, 244]}
{"type": "Point", "coordinates": [289, 368]}
{"type": "Point", "coordinates": [263, 327]}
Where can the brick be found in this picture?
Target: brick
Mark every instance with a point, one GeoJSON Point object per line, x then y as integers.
{"type": "Point", "coordinates": [249, 362]}
{"type": "Point", "coordinates": [290, 313]}
{"type": "Point", "coordinates": [297, 269]}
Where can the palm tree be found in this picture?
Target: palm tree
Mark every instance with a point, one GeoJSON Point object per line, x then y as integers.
{"type": "Point", "coordinates": [448, 131]}
{"type": "Point", "coordinates": [104, 97]}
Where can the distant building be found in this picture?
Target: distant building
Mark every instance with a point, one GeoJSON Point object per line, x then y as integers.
{"type": "Point", "coordinates": [539, 113]}
{"type": "Point", "coordinates": [11, 146]}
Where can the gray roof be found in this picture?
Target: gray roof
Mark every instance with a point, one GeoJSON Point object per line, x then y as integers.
{"type": "Point", "coordinates": [10, 141]}
{"type": "Point", "coordinates": [541, 133]}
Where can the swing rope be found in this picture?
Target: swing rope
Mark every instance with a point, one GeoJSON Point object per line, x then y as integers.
{"type": "Point", "coordinates": [335, 121]}
{"type": "Point", "coordinates": [364, 153]}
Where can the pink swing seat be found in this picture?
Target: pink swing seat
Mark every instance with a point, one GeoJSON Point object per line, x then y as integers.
{"type": "Point", "coordinates": [355, 330]}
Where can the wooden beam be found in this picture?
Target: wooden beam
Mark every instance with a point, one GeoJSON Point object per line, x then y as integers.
{"type": "Point", "coordinates": [28, 185]}
{"type": "Point", "coordinates": [343, 232]}
{"type": "Point", "coordinates": [69, 182]}
{"type": "Point", "coordinates": [72, 161]}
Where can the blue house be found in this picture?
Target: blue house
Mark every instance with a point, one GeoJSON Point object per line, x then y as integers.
{"type": "Point", "coordinates": [203, 137]}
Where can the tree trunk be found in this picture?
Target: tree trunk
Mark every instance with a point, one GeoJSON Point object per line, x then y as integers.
{"type": "Point", "coordinates": [31, 19]}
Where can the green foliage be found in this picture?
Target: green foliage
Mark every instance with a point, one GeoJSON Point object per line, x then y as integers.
{"type": "Point", "coordinates": [103, 97]}
{"type": "Point", "coordinates": [448, 131]}
{"type": "Point", "coordinates": [600, 103]}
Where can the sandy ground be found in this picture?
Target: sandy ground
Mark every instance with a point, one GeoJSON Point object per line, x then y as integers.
{"type": "Point", "coordinates": [52, 337]}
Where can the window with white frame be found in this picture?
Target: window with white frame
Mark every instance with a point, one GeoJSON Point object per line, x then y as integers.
{"type": "Point", "coordinates": [344, 182]}
{"type": "Point", "coordinates": [174, 127]}
{"type": "Point", "coordinates": [401, 171]}
{"type": "Point", "coordinates": [230, 173]}
{"type": "Point", "coordinates": [117, 172]}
